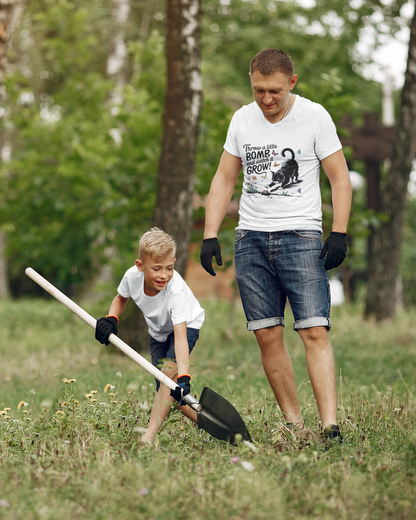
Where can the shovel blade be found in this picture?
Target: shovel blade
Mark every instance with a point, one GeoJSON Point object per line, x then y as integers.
{"type": "Point", "coordinates": [219, 418]}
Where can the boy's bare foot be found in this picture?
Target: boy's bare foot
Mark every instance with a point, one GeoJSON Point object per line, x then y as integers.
{"type": "Point", "coordinates": [147, 439]}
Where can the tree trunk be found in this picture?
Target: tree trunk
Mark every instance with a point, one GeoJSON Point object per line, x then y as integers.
{"type": "Point", "coordinates": [173, 212]}
{"type": "Point", "coordinates": [384, 263]}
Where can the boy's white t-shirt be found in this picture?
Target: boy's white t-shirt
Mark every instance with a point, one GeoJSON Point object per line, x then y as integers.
{"type": "Point", "coordinates": [175, 304]}
{"type": "Point", "coordinates": [296, 144]}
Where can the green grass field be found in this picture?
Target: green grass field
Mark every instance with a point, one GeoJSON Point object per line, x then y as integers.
{"type": "Point", "coordinates": [64, 455]}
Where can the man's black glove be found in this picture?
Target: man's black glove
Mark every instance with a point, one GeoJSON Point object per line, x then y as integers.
{"type": "Point", "coordinates": [183, 389]}
{"type": "Point", "coordinates": [210, 248]}
{"type": "Point", "coordinates": [105, 327]}
{"type": "Point", "coordinates": [335, 249]}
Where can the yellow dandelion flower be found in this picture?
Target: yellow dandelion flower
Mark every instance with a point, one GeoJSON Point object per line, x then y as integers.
{"type": "Point", "coordinates": [65, 380]}
{"type": "Point", "coordinates": [7, 417]}
{"type": "Point", "coordinates": [7, 409]}
{"type": "Point", "coordinates": [76, 402]}
{"type": "Point", "coordinates": [25, 411]}
{"type": "Point", "coordinates": [45, 409]}
{"type": "Point", "coordinates": [88, 396]}
{"type": "Point", "coordinates": [20, 405]}
{"type": "Point", "coordinates": [93, 391]}
{"type": "Point", "coordinates": [60, 412]}
{"type": "Point", "coordinates": [107, 387]}
{"type": "Point", "coordinates": [115, 402]}
{"type": "Point", "coordinates": [64, 403]}
{"type": "Point", "coordinates": [72, 380]}
{"type": "Point", "coordinates": [28, 419]}
{"type": "Point", "coordinates": [130, 392]}
{"type": "Point", "coordinates": [112, 395]}
{"type": "Point", "coordinates": [93, 400]}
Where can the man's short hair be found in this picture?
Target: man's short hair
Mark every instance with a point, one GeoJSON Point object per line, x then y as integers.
{"type": "Point", "coordinates": [269, 61]}
{"type": "Point", "coordinates": [157, 244]}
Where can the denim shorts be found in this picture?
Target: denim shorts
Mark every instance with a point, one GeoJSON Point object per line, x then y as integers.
{"type": "Point", "coordinates": [273, 267]}
{"type": "Point", "coordinates": [159, 351]}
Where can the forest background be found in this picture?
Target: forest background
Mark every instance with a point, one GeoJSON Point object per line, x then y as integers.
{"type": "Point", "coordinates": [79, 169]}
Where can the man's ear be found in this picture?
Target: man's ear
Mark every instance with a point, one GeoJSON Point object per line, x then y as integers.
{"type": "Point", "coordinates": [139, 265]}
{"type": "Point", "coordinates": [293, 81]}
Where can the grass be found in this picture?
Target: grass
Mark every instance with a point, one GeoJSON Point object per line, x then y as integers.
{"type": "Point", "coordinates": [64, 455]}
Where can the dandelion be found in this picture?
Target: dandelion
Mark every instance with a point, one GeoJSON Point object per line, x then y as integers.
{"type": "Point", "coordinates": [93, 400]}
{"type": "Point", "coordinates": [88, 396]}
{"type": "Point", "coordinates": [60, 412]}
{"type": "Point", "coordinates": [64, 403]}
{"type": "Point", "coordinates": [76, 402]}
{"type": "Point", "coordinates": [7, 417]}
{"type": "Point", "coordinates": [112, 395]}
{"type": "Point", "coordinates": [21, 405]}
{"type": "Point", "coordinates": [93, 391]}
{"type": "Point", "coordinates": [2, 412]}
{"type": "Point", "coordinates": [7, 409]}
{"type": "Point", "coordinates": [72, 380]}
{"type": "Point", "coordinates": [25, 411]}
{"type": "Point", "coordinates": [115, 402]}
{"type": "Point", "coordinates": [107, 387]}
{"type": "Point", "coordinates": [28, 419]}
{"type": "Point", "coordinates": [65, 380]}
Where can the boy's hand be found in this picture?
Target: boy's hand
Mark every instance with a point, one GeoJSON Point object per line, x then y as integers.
{"type": "Point", "coordinates": [335, 249]}
{"type": "Point", "coordinates": [183, 389]}
{"type": "Point", "coordinates": [105, 327]}
{"type": "Point", "coordinates": [210, 248]}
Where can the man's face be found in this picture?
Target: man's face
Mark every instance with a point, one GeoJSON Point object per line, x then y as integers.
{"type": "Point", "coordinates": [271, 93]}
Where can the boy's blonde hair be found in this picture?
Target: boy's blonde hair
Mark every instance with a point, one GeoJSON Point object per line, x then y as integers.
{"type": "Point", "coordinates": [157, 244]}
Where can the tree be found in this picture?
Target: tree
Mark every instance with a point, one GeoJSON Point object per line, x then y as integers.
{"type": "Point", "coordinates": [382, 296]}
{"type": "Point", "coordinates": [173, 211]}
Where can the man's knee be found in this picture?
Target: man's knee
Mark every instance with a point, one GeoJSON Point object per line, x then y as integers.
{"type": "Point", "coordinates": [314, 334]}
{"type": "Point", "coordinates": [270, 337]}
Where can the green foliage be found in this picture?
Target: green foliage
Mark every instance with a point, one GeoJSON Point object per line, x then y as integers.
{"type": "Point", "coordinates": [72, 449]}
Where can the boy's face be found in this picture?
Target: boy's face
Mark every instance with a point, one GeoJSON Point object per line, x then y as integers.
{"type": "Point", "coordinates": [157, 274]}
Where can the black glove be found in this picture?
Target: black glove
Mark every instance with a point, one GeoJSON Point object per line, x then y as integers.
{"type": "Point", "coordinates": [336, 247]}
{"type": "Point", "coordinates": [105, 327]}
{"type": "Point", "coordinates": [183, 389]}
{"type": "Point", "coordinates": [210, 248]}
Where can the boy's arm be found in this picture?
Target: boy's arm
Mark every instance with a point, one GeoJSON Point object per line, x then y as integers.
{"type": "Point", "coordinates": [117, 306]}
{"type": "Point", "coordinates": [181, 348]}
{"type": "Point", "coordinates": [108, 325]}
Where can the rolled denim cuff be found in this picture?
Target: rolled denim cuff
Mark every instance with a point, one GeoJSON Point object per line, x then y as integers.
{"type": "Point", "coordinates": [265, 323]}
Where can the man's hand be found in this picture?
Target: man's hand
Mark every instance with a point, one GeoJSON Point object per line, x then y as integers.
{"type": "Point", "coordinates": [183, 389]}
{"type": "Point", "coordinates": [335, 249]}
{"type": "Point", "coordinates": [210, 248]}
{"type": "Point", "coordinates": [105, 327]}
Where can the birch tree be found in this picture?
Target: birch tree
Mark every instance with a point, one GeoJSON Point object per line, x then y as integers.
{"type": "Point", "coordinates": [173, 211]}
{"type": "Point", "coordinates": [382, 296]}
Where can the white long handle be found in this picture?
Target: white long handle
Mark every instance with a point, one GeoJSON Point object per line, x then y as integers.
{"type": "Point", "coordinates": [115, 340]}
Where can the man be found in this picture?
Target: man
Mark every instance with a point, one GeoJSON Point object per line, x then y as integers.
{"type": "Point", "coordinates": [281, 140]}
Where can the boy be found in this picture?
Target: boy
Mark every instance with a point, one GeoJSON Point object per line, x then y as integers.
{"type": "Point", "coordinates": [172, 313]}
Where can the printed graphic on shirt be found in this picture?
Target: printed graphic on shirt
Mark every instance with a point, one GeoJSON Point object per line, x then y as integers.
{"type": "Point", "coordinates": [270, 172]}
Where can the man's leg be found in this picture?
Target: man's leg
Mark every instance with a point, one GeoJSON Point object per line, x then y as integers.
{"type": "Point", "coordinates": [279, 371]}
{"type": "Point", "coordinates": [321, 370]}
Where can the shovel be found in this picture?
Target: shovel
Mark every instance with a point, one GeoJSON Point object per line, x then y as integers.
{"type": "Point", "coordinates": [215, 414]}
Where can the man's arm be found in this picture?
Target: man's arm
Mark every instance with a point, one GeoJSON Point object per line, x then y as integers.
{"type": "Point", "coordinates": [220, 193]}
{"type": "Point", "coordinates": [336, 170]}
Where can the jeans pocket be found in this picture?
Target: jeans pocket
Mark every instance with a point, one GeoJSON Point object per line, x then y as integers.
{"type": "Point", "coordinates": [240, 234]}
{"type": "Point", "coordinates": [311, 234]}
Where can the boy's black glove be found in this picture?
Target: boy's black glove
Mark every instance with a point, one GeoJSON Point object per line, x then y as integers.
{"type": "Point", "coordinates": [210, 248]}
{"type": "Point", "coordinates": [335, 249]}
{"type": "Point", "coordinates": [105, 327]}
{"type": "Point", "coordinates": [183, 389]}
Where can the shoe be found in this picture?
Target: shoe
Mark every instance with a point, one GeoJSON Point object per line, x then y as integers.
{"type": "Point", "coordinates": [332, 432]}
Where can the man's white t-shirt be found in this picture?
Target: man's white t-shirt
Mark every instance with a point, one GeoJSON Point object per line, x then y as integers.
{"type": "Point", "coordinates": [281, 165]}
{"type": "Point", "coordinates": [175, 304]}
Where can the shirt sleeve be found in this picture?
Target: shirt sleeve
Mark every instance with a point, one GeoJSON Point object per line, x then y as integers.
{"type": "Point", "coordinates": [327, 140]}
{"type": "Point", "coordinates": [179, 311]}
{"type": "Point", "coordinates": [231, 144]}
{"type": "Point", "coordinates": [123, 289]}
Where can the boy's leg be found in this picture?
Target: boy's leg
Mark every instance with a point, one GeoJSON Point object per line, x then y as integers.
{"type": "Point", "coordinates": [279, 371]}
{"type": "Point", "coordinates": [321, 370]}
{"type": "Point", "coordinates": [162, 405]}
